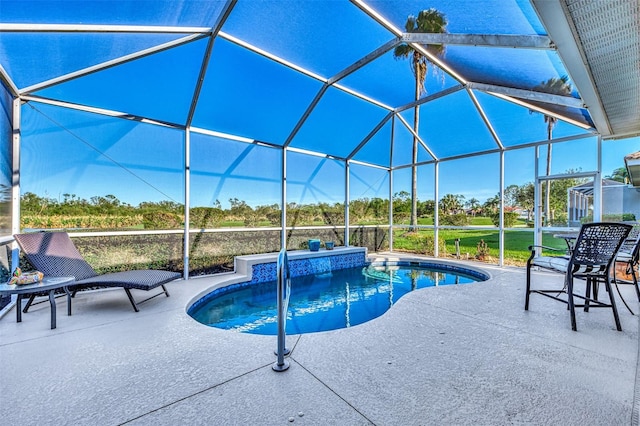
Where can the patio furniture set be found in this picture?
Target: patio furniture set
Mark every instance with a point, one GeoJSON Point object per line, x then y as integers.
{"type": "Point", "coordinates": [591, 256]}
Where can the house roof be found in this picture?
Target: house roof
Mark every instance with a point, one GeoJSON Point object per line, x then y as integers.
{"type": "Point", "coordinates": [632, 163]}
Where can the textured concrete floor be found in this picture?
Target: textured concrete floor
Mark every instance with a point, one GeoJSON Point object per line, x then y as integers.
{"type": "Point", "coordinates": [450, 355]}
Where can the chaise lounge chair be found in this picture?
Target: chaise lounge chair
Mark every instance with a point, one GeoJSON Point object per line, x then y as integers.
{"type": "Point", "coordinates": [55, 255]}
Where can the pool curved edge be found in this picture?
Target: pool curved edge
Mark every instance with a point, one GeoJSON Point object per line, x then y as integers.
{"type": "Point", "coordinates": [447, 265]}
{"type": "Point", "coordinates": [454, 265]}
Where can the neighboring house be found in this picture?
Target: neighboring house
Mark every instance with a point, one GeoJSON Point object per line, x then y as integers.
{"type": "Point", "coordinates": [522, 213]}
{"type": "Point", "coordinates": [617, 198]}
{"type": "Point", "coordinates": [632, 163]}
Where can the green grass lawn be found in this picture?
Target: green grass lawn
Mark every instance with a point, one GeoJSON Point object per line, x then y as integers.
{"type": "Point", "coordinates": [516, 242]}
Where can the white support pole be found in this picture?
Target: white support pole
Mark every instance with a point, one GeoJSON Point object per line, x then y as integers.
{"type": "Point", "coordinates": [436, 215]}
{"type": "Point", "coordinates": [597, 186]}
{"type": "Point", "coordinates": [15, 180]}
{"type": "Point", "coordinates": [347, 200]}
{"type": "Point", "coordinates": [391, 144]}
{"type": "Point", "coordinates": [283, 202]}
{"type": "Point", "coordinates": [501, 223]}
{"type": "Point", "coordinates": [568, 206]}
{"type": "Point", "coordinates": [390, 210]}
{"type": "Point", "coordinates": [187, 202]}
{"type": "Point", "coordinates": [537, 230]}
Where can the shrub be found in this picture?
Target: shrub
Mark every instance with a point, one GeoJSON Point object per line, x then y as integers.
{"type": "Point", "coordinates": [510, 219]}
{"type": "Point", "coordinates": [560, 219]}
{"type": "Point", "coordinates": [458, 219]}
{"type": "Point", "coordinates": [161, 220]}
{"type": "Point", "coordinates": [611, 217]}
{"type": "Point", "coordinates": [482, 250]}
{"type": "Point", "coordinates": [206, 217]}
{"type": "Point", "coordinates": [424, 244]}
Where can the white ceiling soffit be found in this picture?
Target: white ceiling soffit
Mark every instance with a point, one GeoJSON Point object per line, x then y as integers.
{"type": "Point", "coordinates": [599, 43]}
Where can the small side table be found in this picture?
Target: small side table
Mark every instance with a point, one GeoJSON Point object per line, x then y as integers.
{"type": "Point", "coordinates": [47, 285]}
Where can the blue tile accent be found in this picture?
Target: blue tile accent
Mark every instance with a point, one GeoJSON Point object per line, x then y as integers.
{"type": "Point", "coordinates": [263, 272]}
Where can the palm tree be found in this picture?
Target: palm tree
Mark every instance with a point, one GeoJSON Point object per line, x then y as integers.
{"type": "Point", "coordinates": [472, 205]}
{"type": "Point", "coordinates": [451, 203]}
{"type": "Point", "coordinates": [555, 86]}
{"type": "Point", "coordinates": [428, 21]}
{"type": "Point", "coordinates": [621, 174]}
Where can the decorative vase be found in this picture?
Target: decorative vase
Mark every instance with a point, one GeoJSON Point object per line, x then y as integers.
{"type": "Point", "coordinates": [328, 245]}
{"type": "Point", "coordinates": [314, 245]}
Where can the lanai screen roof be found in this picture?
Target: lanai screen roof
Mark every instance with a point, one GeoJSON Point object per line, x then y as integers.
{"type": "Point", "coordinates": [321, 75]}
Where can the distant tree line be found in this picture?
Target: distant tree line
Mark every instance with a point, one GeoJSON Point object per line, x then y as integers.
{"type": "Point", "coordinates": [109, 212]}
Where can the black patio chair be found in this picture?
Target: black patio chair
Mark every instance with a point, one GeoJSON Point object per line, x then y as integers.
{"type": "Point", "coordinates": [629, 256]}
{"type": "Point", "coordinates": [55, 255]}
{"type": "Point", "coordinates": [591, 260]}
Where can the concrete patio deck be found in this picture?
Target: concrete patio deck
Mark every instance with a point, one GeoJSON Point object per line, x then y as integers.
{"type": "Point", "coordinates": [450, 355]}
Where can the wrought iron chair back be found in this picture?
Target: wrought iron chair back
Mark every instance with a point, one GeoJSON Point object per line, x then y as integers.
{"type": "Point", "coordinates": [597, 245]}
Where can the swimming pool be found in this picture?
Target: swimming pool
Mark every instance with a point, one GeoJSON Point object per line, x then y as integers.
{"type": "Point", "coordinates": [326, 301]}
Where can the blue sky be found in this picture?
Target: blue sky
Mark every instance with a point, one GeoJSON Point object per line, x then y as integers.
{"type": "Point", "coordinates": [247, 95]}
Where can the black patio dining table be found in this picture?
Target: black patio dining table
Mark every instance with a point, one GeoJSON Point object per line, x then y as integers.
{"type": "Point", "coordinates": [569, 238]}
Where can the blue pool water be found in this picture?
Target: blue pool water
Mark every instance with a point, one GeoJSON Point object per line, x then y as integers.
{"type": "Point", "coordinates": [325, 301]}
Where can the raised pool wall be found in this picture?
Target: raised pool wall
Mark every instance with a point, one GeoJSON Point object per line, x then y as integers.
{"type": "Point", "coordinates": [258, 268]}
{"type": "Point", "coordinates": [262, 267]}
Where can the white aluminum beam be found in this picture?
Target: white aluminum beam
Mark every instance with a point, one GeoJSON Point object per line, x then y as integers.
{"type": "Point", "coordinates": [497, 150]}
{"type": "Point", "coordinates": [4, 77]}
{"type": "Point", "coordinates": [377, 17]}
{"type": "Point", "coordinates": [370, 135]}
{"type": "Point", "coordinates": [365, 60]}
{"type": "Point", "coordinates": [597, 186]}
{"type": "Point", "coordinates": [283, 201]}
{"type": "Point", "coordinates": [488, 40]}
{"type": "Point", "coordinates": [436, 214]}
{"type": "Point", "coordinates": [363, 97]}
{"type": "Point", "coordinates": [501, 220]}
{"type": "Point", "coordinates": [207, 55]}
{"type": "Point", "coordinates": [544, 111]}
{"type": "Point", "coordinates": [430, 98]}
{"type": "Point", "coordinates": [392, 140]}
{"type": "Point", "coordinates": [15, 166]}
{"type": "Point", "coordinates": [80, 28]}
{"type": "Point", "coordinates": [186, 245]}
{"type": "Point", "coordinates": [109, 64]}
{"type": "Point", "coordinates": [390, 210]}
{"type": "Point", "coordinates": [306, 114]}
{"type": "Point", "coordinates": [16, 120]}
{"type": "Point", "coordinates": [485, 119]}
{"type": "Point", "coordinates": [315, 153]}
{"type": "Point", "coordinates": [415, 135]}
{"type": "Point", "coordinates": [364, 163]}
{"type": "Point", "coordinates": [531, 95]}
{"type": "Point", "coordinates": [537, 202]}
{"type": "Point", "coordinates": [347, 201]}
{"type": "Point", "coordinates": [271, 56]}
{"type": "Point", "coordinates": [101, 111]}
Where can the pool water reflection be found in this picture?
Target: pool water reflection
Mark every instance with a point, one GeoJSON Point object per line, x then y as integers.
{"type": "Point", "coordinates": [325, 301]}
